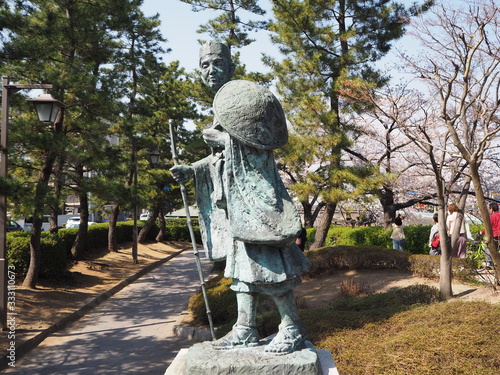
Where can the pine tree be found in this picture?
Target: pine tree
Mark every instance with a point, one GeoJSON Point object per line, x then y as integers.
{"type": "Point", "coordinates": [63, 44]}
{"type": "Point", "coordinates": [228, 27]}
{"type": "Point", "coordinates": [78, 46]}
{"type": "Point", "coordinates": [329, 46]}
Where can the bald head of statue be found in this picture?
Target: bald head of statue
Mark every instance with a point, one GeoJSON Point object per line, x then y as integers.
{"type": "Point", "coordinates": [216, 65]}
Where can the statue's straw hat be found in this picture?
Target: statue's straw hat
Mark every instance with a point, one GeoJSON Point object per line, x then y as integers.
{"type": "Point", "coordinates": [251, 113]}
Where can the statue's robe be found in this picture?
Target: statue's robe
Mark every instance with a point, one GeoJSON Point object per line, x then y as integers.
{"type": "Point", "coordinates": [248, 218]}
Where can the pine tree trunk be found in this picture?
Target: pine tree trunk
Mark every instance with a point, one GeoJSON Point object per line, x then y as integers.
{"type": "Point", "coordinates": [80, 245]}
{"type": "Point", "coordinates": [113, 219]}
{"type": "Point", "coordinates": [31, 278]}
{"type": "Point", "coordinates": [35, 250]}
{"type": "Point", "coordinates": [307, 216]}
{"type": "Point", "coordinates": [324, 225]}
{"type": "Point", "coordinates": [161, 233]}
{"type": "Point", "coordinates": [54, 210]}
{"type": "Point", "coordinates": [149, 224]}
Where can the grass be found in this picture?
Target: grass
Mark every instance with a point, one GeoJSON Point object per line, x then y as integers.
{"type": "Point", "coordinates": [440, 338]}
{"type": "Point", "coordinates": [401, 332]}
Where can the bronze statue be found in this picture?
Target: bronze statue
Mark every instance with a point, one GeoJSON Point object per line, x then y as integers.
{"type": "Point", "coordinates": [246, 214]}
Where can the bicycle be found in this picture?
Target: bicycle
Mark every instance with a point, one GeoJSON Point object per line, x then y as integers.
{"type": "Point", "coordinates": [478, 253]}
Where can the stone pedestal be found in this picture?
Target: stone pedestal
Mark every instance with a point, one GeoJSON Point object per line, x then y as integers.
{"type": "Point", "coordinates": [201, 359]}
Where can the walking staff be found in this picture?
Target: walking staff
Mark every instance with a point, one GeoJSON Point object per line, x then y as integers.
{"type": "Point", "coordinates": [191, 231]}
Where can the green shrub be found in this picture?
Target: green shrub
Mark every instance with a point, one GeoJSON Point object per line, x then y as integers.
{"type": "Point", "coordinates": [67, 237]}
{"type": "Point", "coordinates": [18, 251]}
{"type": "Point", "coordinates": [56, 248]}
{"type": "Point", "coordinates": [181, 222]}
{"type": "Point", "coordinates": [417, 237]}
{"type": "Point", "coordinates": [125, 229]}
{"type": "Point", "coordinates": [476, 253]}
{"type": "Point", "coordinates": [54, 257]}
{"type": "Point", "coordinates": [181, 233]}
{"type": "Point", "coordinates": [310, 233]}
{"type": "Point", "coordinates": [221, 299]}
{"type": "Point", "coordinates": [97, 236]}
{"type": "Point", "coordinates": [53, 253]}
{"type": "Point", "coordinates": [178, 233]}
{"type": "Point", "coordinates": [475, 229]}
{"type": "Point", "coordinates": [376, 236]}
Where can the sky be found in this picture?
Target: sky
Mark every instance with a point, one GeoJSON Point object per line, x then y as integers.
{"type": "Point", "coordinates": [179, 24]}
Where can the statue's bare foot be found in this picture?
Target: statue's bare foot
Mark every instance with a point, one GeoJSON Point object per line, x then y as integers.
{"type": "Point", "coordinates": [239, 337]}
{"type": "Point", "coordinates": [287, 340]}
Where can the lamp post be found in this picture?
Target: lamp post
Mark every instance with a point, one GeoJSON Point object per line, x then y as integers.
{"type": "Point", "coordinates": [134, 214]}
{"type": "Point", "coordinates": [47, 109]}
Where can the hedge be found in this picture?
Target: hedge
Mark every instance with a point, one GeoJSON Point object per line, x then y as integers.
{"type": "Point", "coordinates": [56, 248]}
{"type": "Point", "coordinates": [417, 237]}
{"type": "Point", "coordinates": [54, 258]}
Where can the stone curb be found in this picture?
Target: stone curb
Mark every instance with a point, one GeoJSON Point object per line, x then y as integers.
{"type": "Point", "coordinates": [34, 341]}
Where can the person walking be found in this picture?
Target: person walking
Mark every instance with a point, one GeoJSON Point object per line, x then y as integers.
{"type": "Point", "coordinates": [494, 220]}
{"type": "Point", "coordinates": [434, 240]}
{"type": "Point", "coordinates": [459, 249]}
{"type": "Point", "coordinates": [398, 234]}
{"type": "Point", "coordinates": [495, 226]}
{"type": "Point", "coordinates": [301, 239]}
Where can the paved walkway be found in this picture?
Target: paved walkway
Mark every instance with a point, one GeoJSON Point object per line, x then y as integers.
{"type": "Point", "coordinates": [130, 333]}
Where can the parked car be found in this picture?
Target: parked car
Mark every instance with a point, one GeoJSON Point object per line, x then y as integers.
{"type": "Point", "coordinates": [144, 217]}
{"type": "Point", "coordinates": [13, 226]}
{"type": "Point", "coordinates": [28, 223]}
{"type": "Point", "coordinates": [76, 225]}
{"type": "Point", "coordinates": [72, 221]}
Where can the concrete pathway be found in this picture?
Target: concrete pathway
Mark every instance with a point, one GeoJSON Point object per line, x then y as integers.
{"type": "Point", "coordinates": [130, 333]}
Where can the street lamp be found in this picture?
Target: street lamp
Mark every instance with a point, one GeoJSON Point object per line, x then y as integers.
{"type": "Point", "coordinates": [154, 156]}
{"type": "Point", "coordinates": [48, 106]}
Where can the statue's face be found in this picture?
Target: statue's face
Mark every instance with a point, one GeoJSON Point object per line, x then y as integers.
{"type": "Point", "coordinates": [215, 71]}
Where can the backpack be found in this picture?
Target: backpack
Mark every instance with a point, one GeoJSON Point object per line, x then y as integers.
{"type": "Point", "coordinates": [435, 240]}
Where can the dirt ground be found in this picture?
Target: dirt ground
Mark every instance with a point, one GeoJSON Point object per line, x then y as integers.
{"type": "Point", "coordinates": [321, 291]}
{"type": "Point", "coordinates": [40, 308]}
